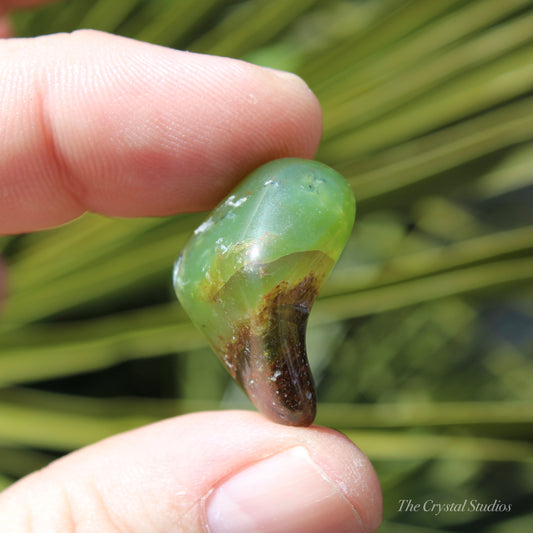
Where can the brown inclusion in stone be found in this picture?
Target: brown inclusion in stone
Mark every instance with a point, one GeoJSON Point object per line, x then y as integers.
{"type": "Point", "coordinates": [268, 358]}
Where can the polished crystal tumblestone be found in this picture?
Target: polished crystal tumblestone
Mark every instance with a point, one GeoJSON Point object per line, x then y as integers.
{"type": "Point", "coordinates": [252, 270]}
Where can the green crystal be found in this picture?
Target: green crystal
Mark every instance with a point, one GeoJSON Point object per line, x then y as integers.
{"type": "Point", "coordinates": [249, 275]}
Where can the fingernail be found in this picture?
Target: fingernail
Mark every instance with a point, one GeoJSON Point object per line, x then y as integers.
{"type": "Point", "coordinates": [285, 493]}
{"type": "Point", "coordinates": [283, 74]}
{"type": "Point", "coordinates": [289, 79]}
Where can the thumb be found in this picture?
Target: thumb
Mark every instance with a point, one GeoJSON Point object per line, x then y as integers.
{"type": "Point", "coordinates": [219, 472]}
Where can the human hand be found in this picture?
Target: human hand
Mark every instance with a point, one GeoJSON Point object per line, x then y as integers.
{"type": "Point", "coordinates": [228, 472]}
{"type": "Point", "coordinates": [96, 122]}
{"type": "Point", "coordinates": [92, 121]}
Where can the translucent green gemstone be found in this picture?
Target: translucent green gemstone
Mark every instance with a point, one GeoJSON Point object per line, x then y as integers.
{"type": "Point", "coordinates": [251, 272]}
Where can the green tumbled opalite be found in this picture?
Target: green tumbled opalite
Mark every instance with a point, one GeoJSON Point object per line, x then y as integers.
{"type": "Point", "coordinates": [251, 272]}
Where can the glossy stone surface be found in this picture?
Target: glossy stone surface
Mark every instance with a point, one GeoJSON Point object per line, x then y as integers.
{"type": "Point", "coordinates": [251, 272]}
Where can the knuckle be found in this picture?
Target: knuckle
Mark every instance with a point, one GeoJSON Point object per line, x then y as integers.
{"type": "Point", "coordinates": [37, 504]}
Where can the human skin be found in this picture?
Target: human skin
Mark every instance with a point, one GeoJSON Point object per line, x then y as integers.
{"type": "Point", "coordinates": [95, 122]}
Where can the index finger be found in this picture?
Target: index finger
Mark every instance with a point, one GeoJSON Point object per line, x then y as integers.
{"type": "Point", "coordinates": [92, 121]}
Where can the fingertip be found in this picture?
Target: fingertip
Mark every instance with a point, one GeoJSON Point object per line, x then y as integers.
{"type": "Point", "coordinates": [313, 478]}
{"type": "Point", "coordinates": [309, 119]}
{"type": "Point", "coordinates": [353, 473]}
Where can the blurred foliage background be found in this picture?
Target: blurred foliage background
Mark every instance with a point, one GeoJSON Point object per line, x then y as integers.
{"type": "Point", "coordinates": [421, 342]}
